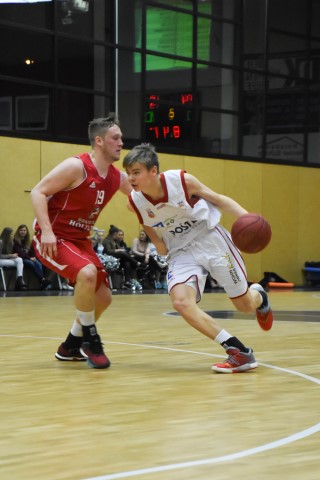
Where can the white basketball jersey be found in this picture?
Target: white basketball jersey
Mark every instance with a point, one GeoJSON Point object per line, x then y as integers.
{"type": "Point", "coordinates": [181, 219]}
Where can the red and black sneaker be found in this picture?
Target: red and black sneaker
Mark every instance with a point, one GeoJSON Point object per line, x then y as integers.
{"type": "Point", "coordinates": [69, 354]}
{"type": "Point", "coordinates": [264, 313]}
{"type": "Point", "coordinates": [236, 362]}
{"type": "Point", "coordinates": [94, 354]}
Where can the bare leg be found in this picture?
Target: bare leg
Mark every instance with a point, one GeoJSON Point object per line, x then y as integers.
{"type": "Point", "coordinates": [103, 299]}
{"type": "Point", "coordinates": [83, 340]}
{"type": "Point", "coordinates": [249, 302]}
{"type": "Point", "coordinates": [184, 301]}
{"type": "Point", "coordinates": [84, 292]}
{"type": "Point", "coordinates": [256, 300]}
{"type": "Point", "coordinates": [240, 358]}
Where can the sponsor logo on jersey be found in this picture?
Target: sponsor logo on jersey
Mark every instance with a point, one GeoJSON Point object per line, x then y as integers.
{"type": "Point", "coordinates": [94, 213]}
{"type": "Point", "coordinates": [80, 225]}
{"type": "Point", "coordinates": [92, 185]}
{"type": "Point", "coordinates": [169, 221]}
{"type": "Point", "coordinates": [180, 204]}
{"type": "Point", "coordinates": [150, 213]}
{"type": "Point", "coordinates": [159, 224]}
{"type": "Point", "coordinates": [183, 228]}
{"type": "Point", "coordinates": [232, 271]}
{"type": "Point", "coordinates": [169, 275]}
{"type": "Point", "coordinates": [161, 206]}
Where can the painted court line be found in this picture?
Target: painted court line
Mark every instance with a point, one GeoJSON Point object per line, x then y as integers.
{"type": "Point", "coordinates": [206, 461]}
{"type": "Point", "coordinates": [225, 458]}
{"type": "Point", "coordinates": [211, 461]}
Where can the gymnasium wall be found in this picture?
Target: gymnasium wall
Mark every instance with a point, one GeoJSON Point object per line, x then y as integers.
{"type": "Point", "coordinates": [287, 196]}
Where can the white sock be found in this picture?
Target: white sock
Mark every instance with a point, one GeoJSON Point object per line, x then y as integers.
{"type": "Point", "coordinates": [86, 318]}
{"type": "Point", "coordinates": [222, 337]}
{"type": "Point", "coordinates": [261, 297]}
{"type": "Point", "coordinates": [76, 329]}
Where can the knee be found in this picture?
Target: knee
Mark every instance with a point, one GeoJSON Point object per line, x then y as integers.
{"type": "Point", "coordinates": [88, 275]}
{"type": "Point", "coordinates": [180, 304]}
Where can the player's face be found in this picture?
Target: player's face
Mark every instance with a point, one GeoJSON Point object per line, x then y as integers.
{"type": "Point", "coordinates": [140, 178]}
{"type": "Point", "coordinates": [111, 143]}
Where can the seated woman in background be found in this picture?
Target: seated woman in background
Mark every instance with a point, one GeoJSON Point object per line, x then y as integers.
{"type": "Point", "coordinates": [22, 246]}
{"type": "Point", "coordinates": [97, 242]}
{"type": "Point", "coordinates": [10, 259]}
{"type": "Point", "coordinates": [110, 263]}
{"type": "Point", "coordinates": [127, 262]}
{"type": "Point", "coordinates": [141, 248]}
{"type": "Point", "coordinates": [149, 272]}
{"type": "Point", "coordinates": [120, 241]}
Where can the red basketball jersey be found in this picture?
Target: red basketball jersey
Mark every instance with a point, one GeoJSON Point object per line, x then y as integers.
{"type": "Point", "coordinates": [74, 212]}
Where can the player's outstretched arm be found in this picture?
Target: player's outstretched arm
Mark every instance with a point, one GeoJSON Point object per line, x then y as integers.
{"type": "Point", "coordinates": [226, 204]}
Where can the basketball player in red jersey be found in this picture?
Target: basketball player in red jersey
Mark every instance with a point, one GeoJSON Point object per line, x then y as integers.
{"type": "Point", "coordinates": [187, 213]}
{"type": "Point", "coordinates": [67, 203]}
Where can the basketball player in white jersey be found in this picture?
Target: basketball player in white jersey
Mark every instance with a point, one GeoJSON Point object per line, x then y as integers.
{"type": "Point", "coordinates": [186, 214]}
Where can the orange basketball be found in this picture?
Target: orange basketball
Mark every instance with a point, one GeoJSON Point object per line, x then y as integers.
{"type": "Point", "coordinates": [251, 233]}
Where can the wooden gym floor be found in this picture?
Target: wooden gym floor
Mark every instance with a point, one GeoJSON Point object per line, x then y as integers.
{"type": "Point", "coordinates": [159, 413]}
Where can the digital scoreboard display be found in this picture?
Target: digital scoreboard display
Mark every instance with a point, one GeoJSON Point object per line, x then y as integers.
{"type": "Point", "coordinates": [168, 118]}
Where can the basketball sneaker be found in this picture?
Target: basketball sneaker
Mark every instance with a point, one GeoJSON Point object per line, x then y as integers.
{"type": "Point", "coordinates": [69, 354]}
{"type": "Point", "coordinates": [264, 313]}
{"type": "Point", "coordinates": [94, 354]}
{"type": "Point", "coordinates": [236, 362]}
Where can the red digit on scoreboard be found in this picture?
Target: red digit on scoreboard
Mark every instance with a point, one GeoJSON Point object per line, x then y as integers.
{"type": "Point", "coordinates": [165, 131]}
{"type": "Point", "coordinates": [186, 98]}
{"type": "Point", "coordinates": [176, 131]}
{"type": "Point", "coordinates": [155, 103]}
{"type": "Point", "coordinates": [156, 131]}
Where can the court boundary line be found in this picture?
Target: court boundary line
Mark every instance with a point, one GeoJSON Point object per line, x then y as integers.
{"type": "Point", "coordinates": [230, 457]}
{"type": "Point", "coordinates": [206, 461]}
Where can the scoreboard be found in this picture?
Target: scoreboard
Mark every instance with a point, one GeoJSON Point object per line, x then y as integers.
{"type": "Point", "coordinates": [168, 118]}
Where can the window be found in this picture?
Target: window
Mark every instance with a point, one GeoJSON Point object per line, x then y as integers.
{"type": "Point", "coordinates": [32, 112]}
{"type": "Point", "coordinates": [39, 14]}
{"type": "Point", "coordinates": [5, 113]}
{"type": "Point", "coordinates": [26, 54]}
{"type": "Point", "coordinates": [75, 63]}
{"type": "Point", "coordinates": [208, 77]}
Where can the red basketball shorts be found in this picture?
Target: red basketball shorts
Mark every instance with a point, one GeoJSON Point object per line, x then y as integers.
{"type": "Point", "coordinates": [71, 258]}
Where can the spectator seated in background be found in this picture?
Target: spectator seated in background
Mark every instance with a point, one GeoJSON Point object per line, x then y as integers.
{"type": "Point", "coordinates": [10, 259]}
{"type": "Point", "coordinates": [110, 263]}
{"type": "Point", "coordinates": [122, 244]}
{"type": "Point", "coordinates": [97, 240]}
{"type": "Point", "coordinates": [120, 241]}
{"type": "Point", "coordinates": [140, 248]}
{"type": "Point", "coordinates": [127, 262]}
{"type": "Point", "coordinates": [22, 246]}
{"type": "Point", "coordinates": [158, 267]}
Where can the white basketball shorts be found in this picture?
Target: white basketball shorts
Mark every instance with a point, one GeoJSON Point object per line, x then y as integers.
{"type": "Point", "coordinates": [215, 253]}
